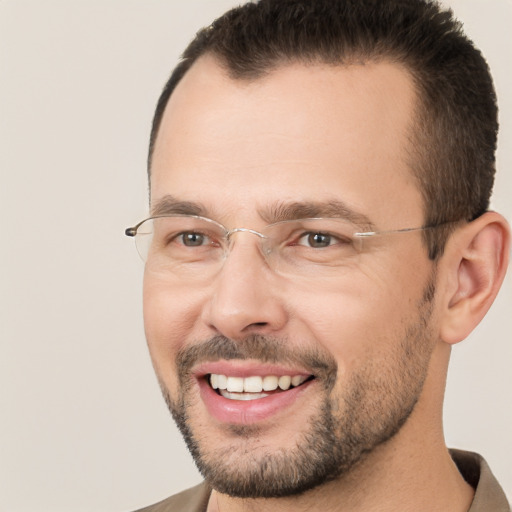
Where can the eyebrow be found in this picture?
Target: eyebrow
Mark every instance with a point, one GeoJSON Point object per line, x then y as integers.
{"type": "Point", "coordinates": [170, 205]}
{"type": "Point", "coordinates": [278, 212]}
{"type": "Point", "coordinates": [333, 208]}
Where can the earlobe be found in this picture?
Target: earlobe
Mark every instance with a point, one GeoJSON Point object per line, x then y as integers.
{"type": "Point", "coordinates": [476, 264]}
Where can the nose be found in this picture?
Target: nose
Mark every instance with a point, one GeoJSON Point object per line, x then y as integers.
{"type": "Point", "coordinates": [245, 295]}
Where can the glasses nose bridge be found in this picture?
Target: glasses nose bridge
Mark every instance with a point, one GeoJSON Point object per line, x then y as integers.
{"type": "Point", "coordinates": [231, 232]}
{"type": "Point", "coordinates": [262, 238]}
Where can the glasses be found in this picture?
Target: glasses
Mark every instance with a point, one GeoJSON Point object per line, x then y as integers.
{"type": "Point", "coordinates": [193, 247]}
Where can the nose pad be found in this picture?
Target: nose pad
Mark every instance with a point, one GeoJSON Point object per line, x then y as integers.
{"type": "Point", "coordinates": [264, 245]}
{"type": "Point", "coordinates": [244, 298]}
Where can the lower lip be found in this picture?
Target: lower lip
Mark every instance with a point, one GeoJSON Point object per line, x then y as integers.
{"type": "Point", "coordinates": [246, 412]}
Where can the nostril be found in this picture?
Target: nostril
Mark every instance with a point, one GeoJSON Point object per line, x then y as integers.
{"type": "Point", "coordinates": [255, 327]}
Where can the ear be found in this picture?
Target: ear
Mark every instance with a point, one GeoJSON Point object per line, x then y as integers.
{"type": "Point", "coordinates": [474, 266]}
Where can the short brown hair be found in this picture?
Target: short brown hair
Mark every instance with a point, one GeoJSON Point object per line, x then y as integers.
{"type": "Point", "coordinates": [452, 147]}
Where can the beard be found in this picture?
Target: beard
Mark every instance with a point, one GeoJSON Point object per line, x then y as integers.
{"type": "Point", "coordinates": [346, 425]}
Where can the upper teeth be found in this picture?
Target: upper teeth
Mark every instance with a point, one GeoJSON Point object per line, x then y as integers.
{"type": "Point", "coordinates": [255, 384]}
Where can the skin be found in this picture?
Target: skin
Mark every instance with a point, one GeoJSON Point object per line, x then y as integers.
{"type": "Point", "coordinates": [338, 133]}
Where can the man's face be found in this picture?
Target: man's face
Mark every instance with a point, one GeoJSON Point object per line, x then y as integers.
{"type": "Point", "coordinates": [238, 152]}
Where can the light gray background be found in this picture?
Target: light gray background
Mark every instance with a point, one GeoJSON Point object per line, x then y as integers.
{"type": "Point", "coordinates": [83, 427]}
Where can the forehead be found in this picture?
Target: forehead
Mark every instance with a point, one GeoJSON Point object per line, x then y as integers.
{"type": "Point", "coordinates": [302, 132]}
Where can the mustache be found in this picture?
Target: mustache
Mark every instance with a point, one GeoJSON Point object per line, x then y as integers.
{"type": "Point", "coordinates": [266, 349]}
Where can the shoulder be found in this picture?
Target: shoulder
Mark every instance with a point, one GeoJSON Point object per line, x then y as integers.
{"type": "Point", "coordinates": [489, 495]}
{"type": "Point", "coordinates": [194, 499]}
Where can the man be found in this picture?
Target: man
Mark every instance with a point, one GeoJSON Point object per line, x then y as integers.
{"type": "Point", "coordinates": [320, 174]}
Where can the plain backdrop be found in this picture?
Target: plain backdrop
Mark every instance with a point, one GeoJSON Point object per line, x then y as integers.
{"type": "Point", "coordinates": [82, 425]}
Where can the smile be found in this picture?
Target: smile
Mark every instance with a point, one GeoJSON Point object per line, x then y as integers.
{"type": "Point", "coordinates": [254, 387]}
{"type": "Point", "coordinates": [244, 392]}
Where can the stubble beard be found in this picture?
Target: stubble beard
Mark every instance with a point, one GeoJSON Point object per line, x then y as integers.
{"type": "Point", "coordinates": [374, 405]}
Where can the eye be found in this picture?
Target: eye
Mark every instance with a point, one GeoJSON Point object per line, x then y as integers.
{"type": "Point", "coordinates": [317, 240]}
{"type": "Point", "coordinates": [193, 239]}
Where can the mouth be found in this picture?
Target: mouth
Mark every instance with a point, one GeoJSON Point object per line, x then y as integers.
{"type": "Point", "coordinates": [254, 387]}
{"type": "Point", "coordinates": [247, 392]}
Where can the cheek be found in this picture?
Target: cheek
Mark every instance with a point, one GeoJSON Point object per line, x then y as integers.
{"type": "Point", "coordinates": [364, 315]}
{"type": "Point", "coordinates": [170, 316]}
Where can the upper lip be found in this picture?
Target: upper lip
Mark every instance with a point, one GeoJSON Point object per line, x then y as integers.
{"type": "Point", "coordinates": [238, 368]}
